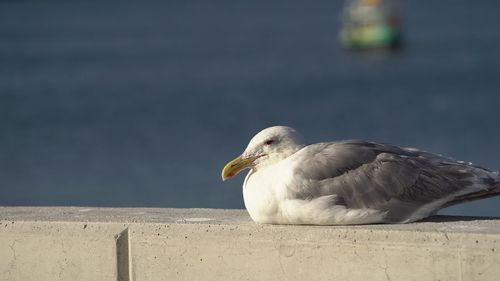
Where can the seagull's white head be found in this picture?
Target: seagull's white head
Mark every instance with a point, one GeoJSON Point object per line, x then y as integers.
{"type": "Point", "coordinates": [267, 147]}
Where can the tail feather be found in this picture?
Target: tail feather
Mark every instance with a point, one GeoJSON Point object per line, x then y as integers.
{"type": "Point", "coordinates": [491, 192]}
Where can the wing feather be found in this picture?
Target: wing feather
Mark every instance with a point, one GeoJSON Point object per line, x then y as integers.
{"type": "Point", "coordinates": [396, 180]}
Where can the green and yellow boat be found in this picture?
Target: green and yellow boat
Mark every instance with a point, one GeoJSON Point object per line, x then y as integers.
{"type": "Point", "coordinates": [370, 24]}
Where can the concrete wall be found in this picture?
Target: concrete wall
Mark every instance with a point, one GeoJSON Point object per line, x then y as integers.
{"type": "Point", "coordinates": [199, 244]}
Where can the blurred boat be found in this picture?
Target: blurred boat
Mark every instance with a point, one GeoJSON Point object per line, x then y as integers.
{"type": "Point", "coordinates": [370, 24]}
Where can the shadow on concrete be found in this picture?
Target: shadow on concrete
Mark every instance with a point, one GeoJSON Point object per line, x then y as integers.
{"type": "Point", "coordinates": [443, 218]}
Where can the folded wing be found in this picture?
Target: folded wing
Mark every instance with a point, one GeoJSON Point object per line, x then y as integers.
{"type": "Point", "coordinates": [406, 183]}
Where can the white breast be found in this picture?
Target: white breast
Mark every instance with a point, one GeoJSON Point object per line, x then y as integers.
{"type": "Point", "coordinates": [263, 193]}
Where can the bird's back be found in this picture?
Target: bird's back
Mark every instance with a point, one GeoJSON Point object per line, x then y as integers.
{"type": "Point", "coordinates": [406, 184]}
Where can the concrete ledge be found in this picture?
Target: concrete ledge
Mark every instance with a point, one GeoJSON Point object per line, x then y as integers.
{"type": "Point", "coordinates": [201, 244]}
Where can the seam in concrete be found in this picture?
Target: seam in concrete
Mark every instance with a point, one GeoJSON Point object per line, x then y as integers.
{"type": "Point", "coordinates": [123, 256]}
{"type": "Point", "coordinates": [460, 266]}
{"type": "Point", "coordinates": [12, 264]}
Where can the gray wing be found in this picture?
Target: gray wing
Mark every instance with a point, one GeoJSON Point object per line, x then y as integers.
{"type": "Point", "coordinates": [384, 177]}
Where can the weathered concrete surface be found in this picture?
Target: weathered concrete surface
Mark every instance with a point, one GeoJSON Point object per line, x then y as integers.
{"type": "Point", "coordinates": [201, 244]}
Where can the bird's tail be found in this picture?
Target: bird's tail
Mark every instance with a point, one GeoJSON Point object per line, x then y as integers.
{"type": "Point", "coordinates": [494, 190]}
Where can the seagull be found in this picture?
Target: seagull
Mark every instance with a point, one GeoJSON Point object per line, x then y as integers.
{"type": "Point", "coordinates": [350, 182]}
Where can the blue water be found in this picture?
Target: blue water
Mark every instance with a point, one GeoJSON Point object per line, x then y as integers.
{"type": "Point", "coordinates": [133, 104]}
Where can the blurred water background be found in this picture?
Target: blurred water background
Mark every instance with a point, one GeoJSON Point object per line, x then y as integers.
{"type": "Point", "coordinates": [141, 104]}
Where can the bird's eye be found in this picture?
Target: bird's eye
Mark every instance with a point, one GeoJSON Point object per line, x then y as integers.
{"type": "Point", "coordinates": [268, 142]}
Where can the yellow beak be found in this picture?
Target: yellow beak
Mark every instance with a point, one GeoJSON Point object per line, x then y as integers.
{"type": "Point", "coordinates": [235, 166]}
